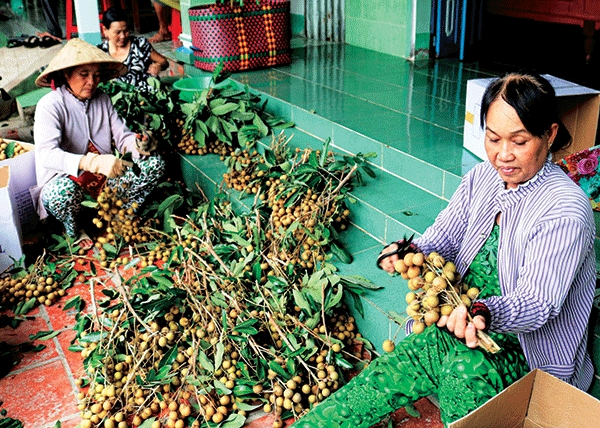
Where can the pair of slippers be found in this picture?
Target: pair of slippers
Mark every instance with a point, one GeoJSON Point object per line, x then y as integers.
{"type": "Point", "coordinates": [31, 41]}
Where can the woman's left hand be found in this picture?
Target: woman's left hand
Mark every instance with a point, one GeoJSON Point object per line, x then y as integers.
{"type": "Point", "coordinates": [458, 324]}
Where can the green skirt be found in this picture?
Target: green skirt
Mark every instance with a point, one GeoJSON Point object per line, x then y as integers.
{"type": "Point", "coordinates": [433, 362]}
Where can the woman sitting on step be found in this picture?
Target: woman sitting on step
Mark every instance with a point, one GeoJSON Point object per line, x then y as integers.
{"type": "Point", "coordinates": [524, 229]}
{"type": "Point", "coordinates": [141, 59]}
{"type": "Point", "coordinates": [76, 133]}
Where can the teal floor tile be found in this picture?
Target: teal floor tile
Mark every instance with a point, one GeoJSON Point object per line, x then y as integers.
{"type": "Point", "coordinates": [353, 142]}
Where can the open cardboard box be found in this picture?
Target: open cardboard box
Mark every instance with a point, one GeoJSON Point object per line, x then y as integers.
{"type": "Point", "coordinates": [538, 400]}
{"type": "Point", "coordinates": [579, 108]}
{"type": "Point", "coordinates": [22, 178]}
{"type": "Point", "coordinates": [17, 213]}
{"type": "Point", "coordinates": [10, 227]}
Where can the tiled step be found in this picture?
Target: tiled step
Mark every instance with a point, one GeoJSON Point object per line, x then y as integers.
{"type": "Point", "coordinates": [376, 103]}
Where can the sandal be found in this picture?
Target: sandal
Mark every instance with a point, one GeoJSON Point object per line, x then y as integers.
{"type": "Point", "coordinates": [47, 40]}
{"type": "Point", "coordinates": [15, 42]}
{"type": "Point", "coordinates": [32, 42]}
{"type": "Point", "coordinates": [84, 241]}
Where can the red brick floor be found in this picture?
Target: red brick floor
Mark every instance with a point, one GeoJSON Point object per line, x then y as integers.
{"type": "Point", "coordinates": [40, 390]}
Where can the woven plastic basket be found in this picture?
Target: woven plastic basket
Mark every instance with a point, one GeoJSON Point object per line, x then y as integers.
{"type": "Point", "coordinates": [251, 36]}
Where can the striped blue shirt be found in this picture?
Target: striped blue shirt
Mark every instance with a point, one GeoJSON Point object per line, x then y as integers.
{"type": "Point", "coordinates": [546, 261]}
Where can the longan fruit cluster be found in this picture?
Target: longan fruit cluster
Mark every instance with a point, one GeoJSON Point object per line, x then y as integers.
{"type": "Point", "coordinates": [188, 144]}
{"type": "Point", "coordinates": [119, 217]}
{"type": "Point", "coordinates": [17, 149]}
{"type": "Point", "coordinates": [44, 288]}
{"type": "Point", "coordinates": [243, 175]}
{"type": "Point", "coordinates": [435, 288]}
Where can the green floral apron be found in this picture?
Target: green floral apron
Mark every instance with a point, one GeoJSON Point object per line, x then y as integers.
{"type": "Point", "coordinates": [433, 362]}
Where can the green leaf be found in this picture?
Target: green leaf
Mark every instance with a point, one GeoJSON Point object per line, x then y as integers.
{"type": "Point", "coordinates": [90, 204]}
{"type": "Point", "coordinates": [205, 362]}
{"type": "Point", "coordinates": [273, 365]}
{"type": "Point", "coordinates": [340, 253]}
{"type": "Point", "coordinates": [224, 109]}
{"type": "Point", "coordinates": [301, 301]}
{"type": "Point", "coordinates": [168, 359]}
{"type": "Point", "coordinates": [246, 327]}
{"type": "Point", "coordinates": [10, 149]}
{"type": "Point", "coordinates": [400, 319]}
{"type": "Point", "coordinates": [312, 160]}
{"type": "Point", "coordinates": [283, 125]}
{"type": "Point", "coordinates": [262, 128]}
{"type": "Point", "coordinates": [256, 271]}
{"type": "Point", "coordinates": [219, 355]}
{"type": "Point", "coordinates": [93, 337]}
{"type": "Point", "coordinates": [342, 362]}
{"type": "Point", "coordinates": [10, 423]}
{"type": "Point", "coordinates": [334, 300]}
{"type": "Point", "coordinates": [25, 306]}
{"type": "Point", "coordinates": [75, 302]}
{"type": "Point", "coordinates": [44, 335]}
{"type": "Point", "coordinates": [325, 152]}
{"type": "Point", "coordinates": [221, 388]}
{"type": "Point", "coordinates": [148, 423]}
{"type": "Point", "coordinates": [270, 157]}
{"type": "Point", "coordinates": [412, 410]}
{"type": "Point", "coordinates": [369, 171]}
{"type": "Point", "coordinates": [354, 281]}
{"type": "Point", "coordinates": [235, 420]}
{"type": "Point", "coordinates": [172, 202]}
{"type": "Point", "coordinates": [245, 406]}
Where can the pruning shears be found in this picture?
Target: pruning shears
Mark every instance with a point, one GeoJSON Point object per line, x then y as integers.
{"type": "Point", "coordinates": [402, 246]}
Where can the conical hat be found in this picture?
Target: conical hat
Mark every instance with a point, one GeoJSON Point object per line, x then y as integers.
{"type": "Point", "coordinates": [78, 52]}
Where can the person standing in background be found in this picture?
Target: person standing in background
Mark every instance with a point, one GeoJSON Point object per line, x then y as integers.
{"type": "Point", "coordinates": [163, 13]}
{"type": "Point", "coordinates": [51, 17]}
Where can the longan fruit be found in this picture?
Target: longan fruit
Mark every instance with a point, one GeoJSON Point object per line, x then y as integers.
{"type": "Point", "coordinates": [446, 310]}
{"type": "Point", "coordinates": [472, 293]}
{"type": "Point", "coordinates": [431, 302]}
{"type": "Point", "coordinates": [388, 345]}
{"type": "Point", "coordinates": [418, 327]}
{"type": "Point", "coordinates": [413, 271]}
{"type": "Point", "coordinates": [414, 283]}
{"type": "Point", "coordinates": [431, 317]}
{"type": "Point", "coordinates": [418, 259]}
{"type": "Point", "coordinates": [400, 266]}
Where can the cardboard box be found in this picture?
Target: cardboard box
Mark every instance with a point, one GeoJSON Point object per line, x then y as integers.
{"type": "Point", "coordinates": [538, 400]}
{"type": "Point", "coordinates": [10, 227]}
{"type": "Point", "coordinates": [22, 178]}
{"type": "Point", "coordinates": [578, 107]}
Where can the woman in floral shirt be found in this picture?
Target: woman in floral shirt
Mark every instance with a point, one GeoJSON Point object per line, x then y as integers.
{"type": "Point", "coordinates": [141, 59]}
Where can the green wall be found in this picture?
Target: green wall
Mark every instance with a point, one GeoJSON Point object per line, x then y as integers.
{"type": "Point", "coordinates": [297, 23]}
{"type": "Point", "coordinates": [386, 25]}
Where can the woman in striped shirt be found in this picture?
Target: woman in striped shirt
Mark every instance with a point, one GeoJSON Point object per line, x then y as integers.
{"type": "Point", "coordinates": [521, 230]}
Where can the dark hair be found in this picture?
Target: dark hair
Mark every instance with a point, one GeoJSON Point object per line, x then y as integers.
{"type": "Point", "coordinates": [535, 102]}
{"type": "Point", "coordinates": [113, 14]}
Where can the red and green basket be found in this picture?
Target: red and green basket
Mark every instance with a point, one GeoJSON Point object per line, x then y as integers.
{"type": "Point", "coordinates": [241, 37]}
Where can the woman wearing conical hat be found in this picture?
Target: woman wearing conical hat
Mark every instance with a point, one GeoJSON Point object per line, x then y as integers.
{"type": "Point", "coordinates": [77, 132]}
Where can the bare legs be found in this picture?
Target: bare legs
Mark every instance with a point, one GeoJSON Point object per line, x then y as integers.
{"type": "Point", "coordinates": [163, 13]}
